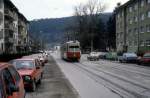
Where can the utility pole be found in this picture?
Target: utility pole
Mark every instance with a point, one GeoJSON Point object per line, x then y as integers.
{"type": "Point", "coordinates": [91, 42]}
{"type": "Point", "coordinates": [138, 40]}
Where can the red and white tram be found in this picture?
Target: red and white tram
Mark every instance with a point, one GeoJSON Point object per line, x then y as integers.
{"type": "Point", "coordinates": [71, 51]}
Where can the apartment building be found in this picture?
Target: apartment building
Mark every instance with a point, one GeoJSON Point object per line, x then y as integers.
{"type": "Point", "coordinates": [22, 33]}
{"type": "Point", "coordinates": [9, 27]}
{"type": "Point", "coordinates": [133, 26]}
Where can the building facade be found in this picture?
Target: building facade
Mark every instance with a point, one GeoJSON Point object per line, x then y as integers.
{"type": "Point", "coordinates": [22, 34]}
{"type": "Point", "coordinates": [9, 27]}
{"type": "Point", "coordinates": [133, 26]}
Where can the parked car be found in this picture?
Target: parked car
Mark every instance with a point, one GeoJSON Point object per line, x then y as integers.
{"type": "Point", "coordinates": [30, 70]}
{"type": "Point", "coordinates": [93, 56]}
{"type": "Point", "coordinates": [43, 58]}
{"type": "Point", "coordinates": [35, 56]}
{"type": "Point", "coordinates": [111, 56]}
{"type": "Point", "coordinates": [11, 83]}
{"type": "Point", "coordinates": [145, 60]}
{"type": "Point", "coordinates": [102, 55]}
{"type": "Point", "coordinates": [128, 57]}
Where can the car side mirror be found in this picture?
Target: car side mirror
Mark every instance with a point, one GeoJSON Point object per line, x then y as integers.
{"type": "Point", "coordinates": [14, 88]}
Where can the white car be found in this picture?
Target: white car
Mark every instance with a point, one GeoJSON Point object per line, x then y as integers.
{"type": "Point", "coordinates": [128, 57]}
{"type": "Point", "coordinates": [93, 56]}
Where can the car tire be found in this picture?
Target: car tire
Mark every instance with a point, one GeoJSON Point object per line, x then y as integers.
{"type": "Point", "coordinates": [33, 86]}
{"type": "Point", "coordinates": [139, 63]}
{"type": "Point", "coordinates": [120, 61]}
{"type": "Point", "coordinates": [40, 80]}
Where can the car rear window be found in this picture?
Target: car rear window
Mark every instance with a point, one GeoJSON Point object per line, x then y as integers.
{"type": "Point", "coordinates": [147, 55]}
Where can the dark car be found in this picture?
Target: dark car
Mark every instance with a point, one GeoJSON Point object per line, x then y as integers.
{"type": "Point", "coordinates": [145, 60]}
{"type": "Point", "coordinates": [11, 83]}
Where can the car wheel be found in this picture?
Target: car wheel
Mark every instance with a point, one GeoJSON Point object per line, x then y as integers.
{"type": "Point", "coordinates": [33, 86]}
{"type": "Point", "coordinates": [139, 63]}
{"type": "Point", "coordinates": [40, 80]}
{"type": "Point", "coordinates": [120, 61]}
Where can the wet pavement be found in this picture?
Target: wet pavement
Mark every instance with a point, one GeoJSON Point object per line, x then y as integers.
{"type": "Point", "coordinates": [54, 84]}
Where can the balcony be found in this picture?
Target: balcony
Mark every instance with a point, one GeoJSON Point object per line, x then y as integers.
{"type": "Point", "coordinates": [21, 23]}
{"type": "Point", "coordinates": [9, 14]}
{"type": "Point", "coordinates": [9, 40]}
{"type": "Point", "coordinates": [9, 27]}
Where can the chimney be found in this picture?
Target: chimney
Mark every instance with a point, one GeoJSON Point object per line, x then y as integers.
{"type": "Point", "coordinates": [118, 4]}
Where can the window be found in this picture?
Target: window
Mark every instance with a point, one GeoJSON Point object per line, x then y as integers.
{"type": "Point", "coordinates": [148, 28]}
{"type": "Point", "coordinates": [1, 3]}
{"type": "Point", "coordinates": [141, 43]}
{"type": "Point", "coordinates": [129, 31]}
{"type": "Point", "coordinates": [142, 17]}
{"type": "Point", "coordinates": [122, 14]}
{"type": "Point", "coordinates": [24, 64]}
{"type": "Point", "coordinates": [148, 14]}
{"type": "Point", "coordinates": [135, 43]}
{"type": "Point", "coordinates": [8, 80]}
{"type": "Point", "coordinates": [130, 21]}
{"type": "Point", "coordinates": [135, 19]}
{"type": "Point", "coordinates": [130, 9]}
{"type": "Point", "coordinates": [142, 3]}
{"type": "Point", "coordinates": [142, 29]}
{"type": "Point", "coordinates": [148, 1]}
{"type": "Point", "coordinates": [130, 43]}
{"type": "Point", "coordinates": [147, 43]}
{"type": "Point", "coordinates": [14, 73]}
{"type": "Point", "coordinates": [118, 16]}
{"type": "Point", "coordinates": [135, 7]}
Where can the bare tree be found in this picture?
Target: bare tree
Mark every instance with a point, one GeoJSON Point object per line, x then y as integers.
{"type": "Point", "coordinates": [87, 20]}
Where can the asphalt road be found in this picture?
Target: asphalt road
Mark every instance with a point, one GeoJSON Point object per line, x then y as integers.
{"type": "Point", "coordinates": [107, 79]}
{"type": "Point", "coordinates": [54, 84]}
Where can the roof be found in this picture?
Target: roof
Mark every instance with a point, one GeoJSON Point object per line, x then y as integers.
{"type": "Point", "coordinates": [73, 42]}
{"type": "Point", "coordinates": [23, 17]}
{"type": "Point", "coordinates": [28, 58]}
{"type": "Point", "coordinates": [9, 3]}
{"type": "Point", "coordinates": [125, 5]}
{"type": "Point", "coordinates": [2, 65]}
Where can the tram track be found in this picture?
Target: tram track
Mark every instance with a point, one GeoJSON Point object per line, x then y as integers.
{"type": "Point", "coordinates": [111, 81]}
{"type": "Point", "coordinates": [125, 70]}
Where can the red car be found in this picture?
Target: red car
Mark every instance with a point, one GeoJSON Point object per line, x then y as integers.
{"type": "Point", "coordinates": [11, 83]}
{"type": "Point", "coordinates": [30, 70]}
{"type": "Point", "coordinates": [145, 59]}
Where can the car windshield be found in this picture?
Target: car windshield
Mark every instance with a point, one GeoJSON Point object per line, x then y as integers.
{"type": "Point", "coordinates": [131, 54]}
{"type": "Point", "coordinates": [147, 55]}
{"type": "Point", "coordinates": [26, 64]}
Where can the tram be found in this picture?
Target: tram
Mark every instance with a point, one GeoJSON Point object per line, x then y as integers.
{"type": "Point", "coordinates": [71, 51]}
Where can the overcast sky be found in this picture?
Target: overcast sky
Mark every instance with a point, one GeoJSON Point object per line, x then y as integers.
{"type": "Point", "coordinates": [36, 9]}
